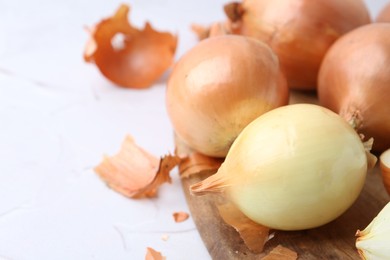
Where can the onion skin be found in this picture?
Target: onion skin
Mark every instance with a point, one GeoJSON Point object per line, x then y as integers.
{"type": "Point", "coordinates": [384, 14]}
{"type": "Point", "coordinates": [385, 169]}
{"type": "Point", "coordinates": [299, 31]}
{"type": "Point", "coordinates": [295, 167]}
{"type": "Point", "coordinates": [220, 86]}
{"type": "Point", "coordinates": [354, 81]}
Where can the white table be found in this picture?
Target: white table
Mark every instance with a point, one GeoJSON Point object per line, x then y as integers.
{"type": "Point", "coordinates": [58, 116]}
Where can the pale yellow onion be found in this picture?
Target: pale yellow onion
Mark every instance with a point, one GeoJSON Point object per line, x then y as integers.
{"type": "Point", "coordinates": [295, 167]}
{"type": "Point", "coordinates": [299, 31]}
{"type": "Point", "coordinates": [220, 86]}
{"type": "Point", "coordinates": [374, 241]}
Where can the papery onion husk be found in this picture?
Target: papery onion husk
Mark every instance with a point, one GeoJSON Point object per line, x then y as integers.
{"type": "Point", "coordinates": [134, 172]}
{"type": "Point", "coordinates": [373, 242]}
{"type": "Point", "coordinates": [152, 254]}
{"type": "Point", "coordinates": [295, 167]}
{"type": "Point", "coordinates": [384, 14]}
{"type": "Point", "coordinates": [299, 31]}
{"type": "Point", "coordinates": [281, 253]}
{"type": "Point", "coordinates": [255, 236]}
{"type": "Point", "coordinates": [215, 29]}
{"type": "Point", "coordinates": [128, 56]}
{"type": "Point", "coordinates": [354, 81]}
{"type": "Point", "coordinates": [385, 169]}
{"type": "Point", "coordinates": [220, 86]}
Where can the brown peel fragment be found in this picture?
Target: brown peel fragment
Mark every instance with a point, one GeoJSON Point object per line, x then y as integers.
{"type": "Point", "coordinates": [127, 56]}
{"type": "Point", "coordinates": [152, 254]}
{"type": "Point", "coordinates": [197, 163]}
{"type": "Point", "coordinates": [134, 172]}
{"type": "Point", "coordinates": [280, 252]}
{"type": "Point", "coordinates": [180, 216]}
{"type": "Point", "coordinates": [201, 31]}
{"type": "Point", "coordinates": [193, 162]}
{"type": "Point", "coordinates": [254, 235]}
{"type": "Point", "coordinates": [234, 11]}
{"type": "Point", "coordinates": [215, 29]}
{"type": "Point", "coordinates": [165, 237]}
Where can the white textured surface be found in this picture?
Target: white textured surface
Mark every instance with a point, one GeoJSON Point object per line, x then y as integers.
{"type": "Point", "coordinates": [58, 116]}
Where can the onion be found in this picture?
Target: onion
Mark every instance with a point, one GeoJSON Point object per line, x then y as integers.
{"type": "Point", "coordinates": [373, 241]}
{"type": "Point", "coordinates": [295, 167]}
{"type": "Point", "coordinates": [384, 14]}
{"type": "Point", "coordinates": [354, 81]}
{"type": "Point", "coordinates": [299, 31]}
{"type": "Point", "coordinates": [220, 86]}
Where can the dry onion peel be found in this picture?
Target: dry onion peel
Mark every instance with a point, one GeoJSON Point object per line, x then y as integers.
{"type": "Point", "coordinates": [198, 163]}
{"type": "Point", "coordinates": [385, 169]}
{"type": "Point", "coordinates": [215, 29]}
{"type": "Point", "coordinates": [180, 216]}
{"type": "Point", "coordinates": [152, 254]}
{"type": "Point", "coordinates": [289, 168]}
{"type": "Point", "coordinates": [280, 252]}
{"type": "Point", "coordinates": [373, 241]}
{"type": "Point", "coordinates": [354, 81]}
{"type": "Point", "coordinates": [201, 31]}
{"type": "Point", "coordinates": [220, 86]}
{"type": "Point", "coordinates": [299, 31]}
{"type": "Point", "coordinates": [371, 159]}
{"type": "Point", "coordinates": [134, 172]}
{"type": "Point", "coordinates": [254, 235]}
{"type": "Point", "coordinates": [165, 237]}
{"type": "Point", "coordinates": [193, 162]}
{"type": "Point", "coordinates": [384, 14]}
{"type": "Point", "coordinates": [127, 56]}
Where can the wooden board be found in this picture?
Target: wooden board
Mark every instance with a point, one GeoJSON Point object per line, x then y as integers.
{"type": "Point", "coordinates": [335, 240]}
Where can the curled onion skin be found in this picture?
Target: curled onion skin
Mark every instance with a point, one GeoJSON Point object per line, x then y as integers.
{"type": "Point", "coordinates": [354, 81]}
{"type": "Point", "coordinates": [299, 31]}
{"type": "Point", "coordinates": [295, 167]}
{"type": "Point", "coordinates": [385, 169]}
{"type": "Point", "coordinates": [220, 86]}
{"type": "Point", "coordinates": [384, 14]}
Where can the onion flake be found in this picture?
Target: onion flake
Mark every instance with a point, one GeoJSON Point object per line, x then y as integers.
{"type": "Point", "coordinates": [254, 235]}
{"type": "Point", "coordinates": [134, 172]}
{"type": "Point", "coordinates": [126, 55]}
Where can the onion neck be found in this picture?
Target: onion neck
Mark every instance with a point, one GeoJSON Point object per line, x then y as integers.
{"type": "Point", "coordinates": [213, 184]}
{"type": "Point", "coordinates": [353, 117]}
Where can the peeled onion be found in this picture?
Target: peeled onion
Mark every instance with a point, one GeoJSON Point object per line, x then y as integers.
{"type": "Point", "coordinates": [299, 31]}
{"type": "Point", "coordinates": [354, 81]}
{"type": "Point", "coordinates": [295, 167]}
{"type": "Point", "coordinates": [220, 86]}
{"type": "Point", "coordinates": [384, 14]}
{"type": "Point", "coordinates": [373, 241]}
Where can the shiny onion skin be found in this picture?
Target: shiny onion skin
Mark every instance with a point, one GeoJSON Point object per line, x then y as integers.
{"type": "Point", "coordinates": [384, 14]}
{"type": "Point", "coordinates": [220, 86]}
{"type": "Point", "coordinates": [299, 31]}
{"type": "Point", "coordinates": [296, 167]}
{"type": "Point", "coordinates": [354, 81]}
